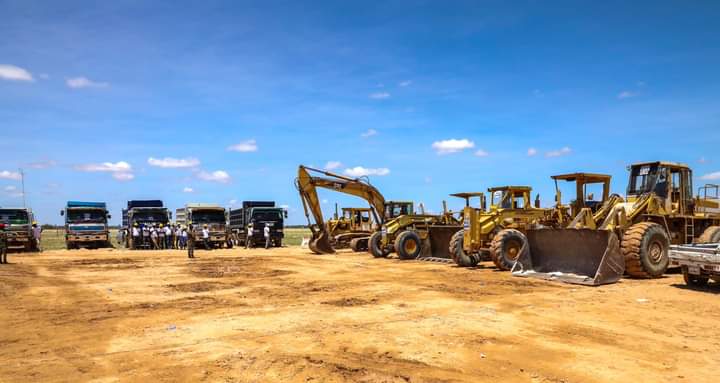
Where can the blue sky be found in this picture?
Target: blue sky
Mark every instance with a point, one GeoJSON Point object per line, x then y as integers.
{"type": "Point", "coordinates": [221, 101]}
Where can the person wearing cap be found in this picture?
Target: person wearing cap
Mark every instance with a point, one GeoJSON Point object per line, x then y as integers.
{"type": "Point", "coordinates": [248, 239]}
{"type": "Point", "coordinates": [161, 236]}
{"type": "Point", "coordinates": [206, 237]}
{"type": "Point", "coordinates": [266, 234]}
{"type": "Point", "coordinates": [190, 241]}
{"type": "Point", "coordinates": [135, 236]}
{"type": "Point", "coordinates": [37, 234]}
{"type": "Point", "coordinates": [3, 244]}
{"type": "Point", "coordinates": [168, 237]}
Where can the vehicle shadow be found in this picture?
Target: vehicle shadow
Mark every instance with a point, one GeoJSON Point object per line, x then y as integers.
{"type": "Point", "coordinates": [712, 288]}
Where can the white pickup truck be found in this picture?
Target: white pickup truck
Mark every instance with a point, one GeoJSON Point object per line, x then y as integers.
{"type": "Point", "coordinates": [699, 263]}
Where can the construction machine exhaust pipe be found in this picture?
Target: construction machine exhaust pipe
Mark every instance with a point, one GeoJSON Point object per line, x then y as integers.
{"type": "Point", "coordinates": [579, 256]}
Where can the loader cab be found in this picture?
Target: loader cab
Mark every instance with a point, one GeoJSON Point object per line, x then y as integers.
{"type": "Point", "coordinates": [670, 182]}
{"type": "Point", "coordinates": [395, 209]}
{"type": "Point", "coordinates": [591, 191]}
{"type": "Point", "coordinates": [510, 197]}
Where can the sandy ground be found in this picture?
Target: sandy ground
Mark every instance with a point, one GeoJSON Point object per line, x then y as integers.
{"type": "Point", "coordinates": [288, 316]}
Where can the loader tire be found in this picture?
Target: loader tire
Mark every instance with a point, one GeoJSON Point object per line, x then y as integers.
{"type": "Point", "coordinates": [358, 244]}
{"type": "Point", "coordinates": [374, 246]}
{"type": "Point", "coordinates": [710, 235]}
{"type": "Point", "coordinates": [645, 248]}
{"type": "Point", "coordinates": [694, 280]}
{"type": "Point", "coordinates": [506, 246]}
{"type": "Point", "coordinates": [408, 245]}
{"type": "Point", "coordinates": [458, 254]}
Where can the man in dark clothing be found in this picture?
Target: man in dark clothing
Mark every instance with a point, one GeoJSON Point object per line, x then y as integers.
{"type": "Point", "coordinates": [191, 242]}
{"type": "Point", "coordinates": [3, 244]}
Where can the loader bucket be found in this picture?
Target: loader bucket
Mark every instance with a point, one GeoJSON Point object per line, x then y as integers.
{"type": "Point", "coordinates": [320, 243]}
{"type": "Point", "coordinates": [580, 256]}
{"type": "Point", "coordinates": [439, 238]}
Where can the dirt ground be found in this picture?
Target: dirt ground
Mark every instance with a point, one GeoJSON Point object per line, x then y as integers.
{"type": "Point", "coordinates": [285, 315]}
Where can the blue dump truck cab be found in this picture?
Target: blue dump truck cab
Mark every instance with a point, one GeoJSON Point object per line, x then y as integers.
{"type": "Point", "coordinates": [141, 213]}
{"type": "Point", "coordinates": [260, 214]}
{"type": "Point", "coordinates": [18, 227]}
{"type": "Point", "coordinates": [86, 225]}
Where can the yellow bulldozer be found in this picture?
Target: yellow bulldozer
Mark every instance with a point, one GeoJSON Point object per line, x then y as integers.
{"type": "Point", "coordinates": [343, 232]}
{"type": "Point", "coordinates": [631, 236]}
{"type": "Point", "coordinates": [413, 235]}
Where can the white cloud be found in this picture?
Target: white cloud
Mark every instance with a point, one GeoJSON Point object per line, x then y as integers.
{"type": "Point", "coordinates": [369, 133]}
{"type": "Point", "coordinates": [626, 94]}
{"type": "Point", "coordinates": [12, 191]}
{"type": "Point", "coordinates": [379, 95]}
{"type": "Point", "coordinates": [10, 188]}
{"type": "Point", "coordinates": [84, 82]}
{"type": "Point", "coordinates": [286, 207]}
{"type": "Point", "coordinates": [332, 165]}
{"type": "Point", "coordinates": [482, 153]}
{"type": "Point", "coordinates": [360, 171]}
{"type": "Point", "coordinates": [531, 152]}
{"type": "Point", "coordinates": [8, 175]}
{"type": "Point", "coordinates": [188, 189]}
{"type": "Point", "coordinates": [324, 201]}
{"type": "Point", "coordinates": [169, 162]}
{"type": "Point", "coordinates": [42, 164]}
{"type": "Point", "coordinates": [405, 83]}
{"type": "Point", "coordinates": [702, 160]}
{"type": "Point", "coordinates": [452, 145]}
{"type": "Point", "coordinates": [232, 202]}
{"type": "Point", "coordinates": [557, 153]}
{"type": "Point", "coordinates": [121, 170]}
{"type": "Point", "coordinates": [14, 73]}
{"type": "Point", "coordinates": [220, 176]}
{"type": "Point", "coordinates": [120, 176]}
{"type": "Point", "coordinates": [711, 176]}
{"type": "Point", "coordinates": [244, 147]}
{"type": "Point", "coordinates": [44, 76]}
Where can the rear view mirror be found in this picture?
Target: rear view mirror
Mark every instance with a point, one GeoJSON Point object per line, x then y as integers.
{"type": "Point", "coordinates": [62, 213]}
{"type": "Point", "coordinates": [285, 213]}
{"type": "Point", "coordinates": [109, 216]}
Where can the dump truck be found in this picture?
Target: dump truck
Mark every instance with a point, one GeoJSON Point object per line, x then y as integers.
{"type": "Point", "coordinates": [496, 233]}
{"type": "Point", "coordinates": [259, 213]}
{"type": "Point", "coordinates": [18, 227]}
{"type": "Point", "coordinates": [201, 214]}
{"type": "Point", "coordinates": [143, 213]}
{"type": "Point", "coordinates": [411, 235]}
{"type": "Point", "coordinates": [323, 239]}
{"type": "Point", "coordinates": [86, 225]}
{"type": "Point", "coordinates": [659, 210]}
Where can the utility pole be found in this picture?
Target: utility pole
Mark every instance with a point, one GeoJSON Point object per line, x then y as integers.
{"type": "Point", "coordinates": [22, 180]}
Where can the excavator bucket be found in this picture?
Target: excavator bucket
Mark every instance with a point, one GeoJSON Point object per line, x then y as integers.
{"type": "Point", "coordinates": [320, 243]}
{"type": "Point", "coordinates": [580, 256]}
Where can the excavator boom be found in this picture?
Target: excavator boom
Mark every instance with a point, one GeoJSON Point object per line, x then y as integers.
{"type": "Point", "coordinates": [309, 179]}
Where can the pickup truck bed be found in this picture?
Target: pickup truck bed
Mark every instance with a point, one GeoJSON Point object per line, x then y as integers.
{"type": "Point", "coordinates": [699, 263]}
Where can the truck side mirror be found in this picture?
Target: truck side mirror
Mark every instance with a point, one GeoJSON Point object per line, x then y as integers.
{"type": "Point", "coordinates": [109, 216]}
{"type": "Point", "coordinates": [170, 214]}
{"type": "Point", "coordinates": [62, 213]}
{"type": "Point", "coordinates": [285, 213]}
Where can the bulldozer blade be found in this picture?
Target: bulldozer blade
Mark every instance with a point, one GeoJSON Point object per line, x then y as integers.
{"type": "Point", "coordinates": [439, 238]}
{"type": "Point", "coordinates": [580, 256]}
{"type": "Point", "coordinates": [321, 244]}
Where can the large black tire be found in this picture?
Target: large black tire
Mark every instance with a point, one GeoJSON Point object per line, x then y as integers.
{"type": "Point", "coordinates": [506, 246]}
{"type": "Point", "coordinates": [458, 254]}
{"type": "Point", "coordinates": [278, 242]}
{"type": "Point", "coordinates": [710, 235]}
{"type": "Point", "coordinates": [694, 280]}
{"type": "Point", "coordinates": [355, 245]}
{"type": "Point", "coordinates": [645, 247]}
{"type": "Point", "coordinates": [408, 245]}
{"type": "Point", "coordinates": [374, 246]}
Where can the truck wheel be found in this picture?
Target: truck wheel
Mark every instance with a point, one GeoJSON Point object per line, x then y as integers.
{"type": "Point", "coordinates": [408, 245]}
{"type": "Point", "coordinates": [693, 280]}
{"type": "Point", "coordinates": [645, 248]}
{"type": "Point", "coordinates": [458, 254]}
{"type": "Point", "coordinates": [278, 242]}
{"type": "Point", "coordinates": [710, 235]}
{"type": "Point", "coordinates": [374, 246]}
{"type": "Point", "coordinates": [506, 246]}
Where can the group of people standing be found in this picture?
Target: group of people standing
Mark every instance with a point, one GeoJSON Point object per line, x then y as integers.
{"type": "Point", "coordinates": [158, 236]}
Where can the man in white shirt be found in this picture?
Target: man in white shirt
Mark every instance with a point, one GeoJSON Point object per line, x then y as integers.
{"type": "Point", "coordinates": [266, 233]}
{"type": "Point", "coordinates": [248, 238]}
{"type": "Point", "coordinates": [168, 237]}
{"type": "Point", "coordinates": [37, 233]}
{"type": "Point", "coordinates": [135, 236]}
{"type": "Point", "coordinates": [206, 237]}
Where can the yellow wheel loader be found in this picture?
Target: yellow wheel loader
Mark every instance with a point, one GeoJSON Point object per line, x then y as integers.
{"type": "Point", "coordinates": [356, 230]}
{"type": "Point", "coordinates": [660, 210]}
{"type": "Point", "coordinates": [413, 236]}
{"type": "Point", "coordinates": [496, 233]}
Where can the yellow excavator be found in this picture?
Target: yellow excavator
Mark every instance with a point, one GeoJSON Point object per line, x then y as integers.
{"type": "Point", "coordinates": [323, 241]}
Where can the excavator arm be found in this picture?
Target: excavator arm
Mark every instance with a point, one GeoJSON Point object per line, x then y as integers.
{"type": "Point", "coordinates": [309, 179]}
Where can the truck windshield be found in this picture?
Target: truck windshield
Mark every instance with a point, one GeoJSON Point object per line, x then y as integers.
{"type": "Point", "coordinates": [85, 215]}
{"type": "Point", "coordinates": [13, 217]}
{"type": "Point", "coordinates": [208, 216]}
{"type": "Point", "coordinates": [643, 179]}
{"type": "Point", "coordinates": [267, 215]}
{"type": "Point", "coordinates": [150, 216]}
